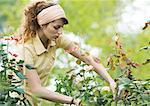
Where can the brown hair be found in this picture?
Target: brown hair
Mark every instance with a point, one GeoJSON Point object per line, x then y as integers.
{"type": "Point", "coordinates": [30, 25]}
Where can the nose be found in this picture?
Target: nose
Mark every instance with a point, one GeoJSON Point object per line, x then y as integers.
{"type": "Point", "coordinates": [60, 31]}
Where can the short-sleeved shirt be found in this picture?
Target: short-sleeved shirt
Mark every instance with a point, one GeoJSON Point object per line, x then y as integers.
{"type": "Point", "coordinates": [35, 54]}
{"type": "Point", "coordinates": [40, 58]}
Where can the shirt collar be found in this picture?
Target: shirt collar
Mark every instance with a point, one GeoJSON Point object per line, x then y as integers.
{"type": "Point", "coordinates": [39, 47]}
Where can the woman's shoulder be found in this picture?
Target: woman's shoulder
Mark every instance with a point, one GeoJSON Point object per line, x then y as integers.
{"type": "Point", "coordinates": [14, 43]}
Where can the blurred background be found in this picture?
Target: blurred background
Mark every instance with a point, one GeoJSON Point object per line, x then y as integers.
{"type": "Point", "coordinates": [93, 23]}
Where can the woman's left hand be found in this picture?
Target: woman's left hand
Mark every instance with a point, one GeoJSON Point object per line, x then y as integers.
{"type": "Point", "coordinates": [113, 86]}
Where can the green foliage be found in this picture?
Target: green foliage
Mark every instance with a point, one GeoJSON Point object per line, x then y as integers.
{"type": "Point", "coordinates": [11, 14]}
{"type": "Point", "coordinates": [78, 85]}
{"type": "Point", "coordinates": [85, 17]}
{"type": "Point", "coordinates": [11, 80]}
{"type": "Point", "coordinates": [129, 91]}
{"type": "Point", "coordinates": [96, 20]}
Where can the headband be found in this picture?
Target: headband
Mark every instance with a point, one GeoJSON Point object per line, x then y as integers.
{"type": "Point", "coordinates": [50, 14]}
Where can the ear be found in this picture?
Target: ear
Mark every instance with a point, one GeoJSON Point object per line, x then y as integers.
{"type": "Point", "coordinates": [43, 27]}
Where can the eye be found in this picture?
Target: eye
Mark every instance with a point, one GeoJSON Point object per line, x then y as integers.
{"type": "Point", "coordinates": [57, 27]}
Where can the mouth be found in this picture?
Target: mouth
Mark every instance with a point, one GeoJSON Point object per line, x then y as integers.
{"type": "Point", "coordinates": [56, 37]}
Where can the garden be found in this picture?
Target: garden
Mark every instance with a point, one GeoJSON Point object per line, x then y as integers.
{"type": "Point", "coordinates": [104, 29]}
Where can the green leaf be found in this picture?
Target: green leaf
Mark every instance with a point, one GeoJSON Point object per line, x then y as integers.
{"type": "Point", "coordinates": [29, 67]}
{"type": "Point", "coordinates": [78, 62]}
{"type": "Point", "coordinates": [20, 75]}
{"type": "Point", "coordinates": [19, 90]}
{"type": "Point", "coordinates": [145, 48]}
{"type": "Point", "coordinates": [121, 87]}
{"type": "Point", "coordinates": [146, 62]}
{"type": "Point", "coordinates": [21, 62]}
{"type": "Point", "coordinates": [3, 45]}
{"type": "Point", "coordinates": [125, 81]}
{"type": "Point", "coordinates": [96, 93]}
{"type": "Point", "coordinates": [141, 82]}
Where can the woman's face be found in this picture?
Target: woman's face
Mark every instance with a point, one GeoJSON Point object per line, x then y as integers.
{"type": "Point", "coordinates": [53, 30]}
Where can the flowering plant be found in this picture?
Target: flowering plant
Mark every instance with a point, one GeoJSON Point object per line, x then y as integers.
{"type": "Point", "coordinates": [11, 79]}
{"type": "Point", "coordinates": [81, 82]}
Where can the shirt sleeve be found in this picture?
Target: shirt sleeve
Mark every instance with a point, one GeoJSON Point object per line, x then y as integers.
{"type": "Point", "coordinates": [22, 53]}
{"type": "Point", "coordinates": [63, 41]}
{"type": "Point", "coordinates": [28, 59]}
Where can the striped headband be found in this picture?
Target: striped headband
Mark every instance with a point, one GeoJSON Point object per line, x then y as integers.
{"type": "Point", "coordinates": [50, 14]}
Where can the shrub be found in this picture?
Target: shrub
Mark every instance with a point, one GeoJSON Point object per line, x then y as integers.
{"type": "Point", "coordinates": [11, 79]}
{"type": "Point", "coordinates": [84, 84]}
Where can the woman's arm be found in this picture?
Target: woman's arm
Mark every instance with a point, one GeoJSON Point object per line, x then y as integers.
{"type": "Point", "coordinates": [41, 92]}
{"type": "Point", "coordinates": [99, 68]}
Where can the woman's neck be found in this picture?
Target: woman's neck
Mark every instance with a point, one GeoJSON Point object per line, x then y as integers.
{"type": "Point", "coordinates": [43, 38]}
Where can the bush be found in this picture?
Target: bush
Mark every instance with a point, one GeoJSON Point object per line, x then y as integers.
{"type": "Point", "coordinates": [11, 79]}
{"type": "Point", "coordinates": [84, 84]}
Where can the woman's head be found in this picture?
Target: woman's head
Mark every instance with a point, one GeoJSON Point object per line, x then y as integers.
{"type": "Point", "coordinates": [42, 15]}
{"type": "Point", "coordinates": [53, 29]}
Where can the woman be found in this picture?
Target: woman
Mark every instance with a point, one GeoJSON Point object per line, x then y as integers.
{"type": "Point", "coordinates": [41, 35]}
